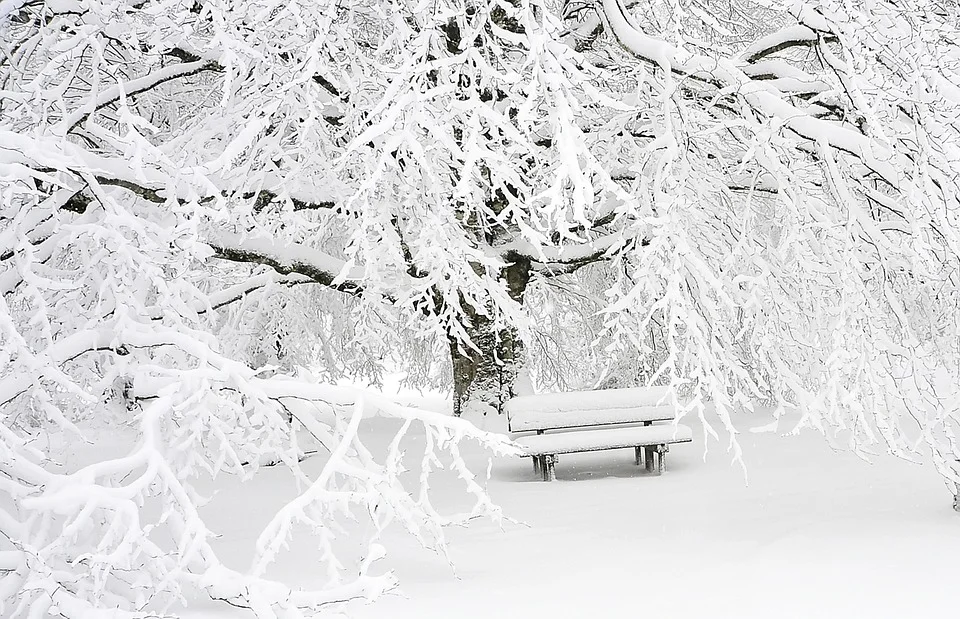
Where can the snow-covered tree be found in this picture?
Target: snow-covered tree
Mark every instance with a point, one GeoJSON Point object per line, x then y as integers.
{"type": "Point", "coordinates": [742, 199]}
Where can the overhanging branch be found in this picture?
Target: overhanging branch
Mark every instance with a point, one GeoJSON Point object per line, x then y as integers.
{"type": "Point", "coordinates": [287, 259]}
{"type": "Point", "coordinates": [766, 100]}
{"type": "Point", "coordinates": [792, 36]}
{"type": "Point", "coordinates": [140, 85]}
{"type": "Point", "coordinates": [284, 258]}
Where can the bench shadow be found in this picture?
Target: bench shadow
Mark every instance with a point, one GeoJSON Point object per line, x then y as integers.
{"type": "Point", "coordinates": [613, 463]}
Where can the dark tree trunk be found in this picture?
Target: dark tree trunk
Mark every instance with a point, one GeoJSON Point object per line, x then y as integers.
{"type": "Point", "coordinates": [486, 372]}
{"type": "Point", "coordinates": [485, 375]}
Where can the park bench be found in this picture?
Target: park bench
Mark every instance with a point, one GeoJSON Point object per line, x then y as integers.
{"type": "Point", "coordinates": [547, 425]}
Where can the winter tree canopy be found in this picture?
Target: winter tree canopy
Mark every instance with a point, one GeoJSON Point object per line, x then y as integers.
{"type": "Point", "coordinates": [211, 210]}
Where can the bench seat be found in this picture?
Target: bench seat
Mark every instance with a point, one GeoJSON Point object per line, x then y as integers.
{"type": "Point", "coordinates": [602, 439]}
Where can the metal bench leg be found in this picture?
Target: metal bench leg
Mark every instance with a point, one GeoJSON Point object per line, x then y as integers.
{"type": "Point", "coordinates": [536, 465]}
{"type": "Point", "coordinates": [648, 455]}
{"type": "Point", "coordinates": [661, 457]}
{"type": "Point", "coordinates": [637, 456]}
{"type": "Point", "coordinates": [549, 474]}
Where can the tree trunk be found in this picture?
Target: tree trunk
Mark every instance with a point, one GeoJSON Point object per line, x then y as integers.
{"type": "Point", "coordinates": [484, 376]}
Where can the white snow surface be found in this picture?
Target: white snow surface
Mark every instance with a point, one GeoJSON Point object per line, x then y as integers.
{"type": "Point", "coordinates": [816, 533]}
{"type": "Point", "coordinates": [603, 438]}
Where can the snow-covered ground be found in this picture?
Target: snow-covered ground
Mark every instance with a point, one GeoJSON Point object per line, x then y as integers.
{"type": "Point", "coordinates": [814, 533]}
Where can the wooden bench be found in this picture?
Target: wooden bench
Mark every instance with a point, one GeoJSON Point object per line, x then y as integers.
{"type": "Point", "coordinates": [548, 425]}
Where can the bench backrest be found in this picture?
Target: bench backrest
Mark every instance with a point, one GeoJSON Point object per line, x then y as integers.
{"type": "Point", "coordinates": [587, 408]}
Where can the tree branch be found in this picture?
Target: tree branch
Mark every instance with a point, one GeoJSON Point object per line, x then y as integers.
{"type": "Point", "coordinates": [792, 36]}
{"type": "Point", "coordinates": [266, 196]}
{"type": "Point", "coordinates": [139, 85]}
{"type": "Point", "coordinates": [289, 258]}
{"type": "Point", "coordinates": [232, 294]}
{"type": "Point", "coordinates": [880, 159]}
{"type": "Point", "coordinates": [556, 261]}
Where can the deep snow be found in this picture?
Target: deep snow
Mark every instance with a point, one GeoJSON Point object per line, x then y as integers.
{"type": "Point", "coordinates": [815, 533]}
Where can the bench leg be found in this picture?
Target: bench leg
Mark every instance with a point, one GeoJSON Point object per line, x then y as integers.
{"type": "Point", "coordinates": [648, 455]}
{"type": "Point", "coordinates": [536, 465]}
{"type": "Point", "coordinates": [661, 457]}
{"type": "Point", "coordinates": [549, 474]}
{"type": "Point", "coordinates": [637, 455]}
{"type": "Point", "coordinates": [645, 453]}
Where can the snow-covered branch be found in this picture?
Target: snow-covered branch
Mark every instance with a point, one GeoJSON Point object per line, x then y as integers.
{"type": "Point", "coordinates": [139, 85]}
{"type": "Point", "coordinates": [762, 97]}
{"type": "Point", "coordinates": [289, 258]}
{"type": "Point", "coordinates": [797, 35]}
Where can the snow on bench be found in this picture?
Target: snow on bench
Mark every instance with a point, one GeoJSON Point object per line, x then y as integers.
{"type": "Point", "coordinates": [599, 440]}
{"type": "Point", "coordinates": [587, 408]}
{"type": "Point", "coordinates": [583, 419]}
